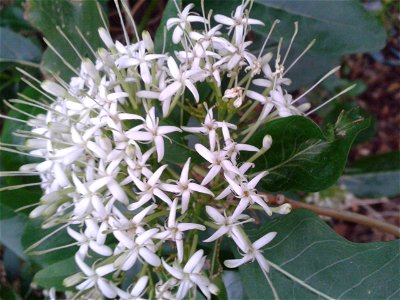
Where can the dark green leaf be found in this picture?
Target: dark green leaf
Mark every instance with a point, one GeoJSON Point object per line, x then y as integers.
{"type": "Point", "coordinates": [67, 14]}
{"type": "Point", "coordinates": [33, 233]}
{"type": "Point", "coordinates": [12, 225]}
{"type": "Point", "coordinates": [16, 47]}
{"type": "Point", "coordinates": [53, 275]}
{"type": "Point", "coordinates": [374, 176]}
{"type": "Point", "coordinates": [302, 157]}
{"type": "Point", "coordinates": [233, 285]}
{"type": "Point", "coordinates": [315, 257]}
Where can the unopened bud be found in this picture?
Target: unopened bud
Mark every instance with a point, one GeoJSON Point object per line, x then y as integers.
{"type": "Point", "coordinates": [284, 209]}
{"type": "Point", "coordinates": [148, 42]}
{"type": "Point", "coordinates": [54, 88]}
{"type": "Point", "coordinates": [105, 57]}
{"type": "Point", "coordinates": [213, 289]}
{"type": "Point", "coordinates": [73, 279]}
{"type": "Point", "coordinates": [267, 142]}
{"type": "Point", "coordinates": [90, 69]}
{"type": "Point", "coordinates": [106, 38]}
{"type": "Point", "coordinates": [304, 107]}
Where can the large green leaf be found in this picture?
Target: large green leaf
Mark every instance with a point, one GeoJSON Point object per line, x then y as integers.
{"type": "Point", "coordinates": [302, 157]}
{"type": "Point", "coordinates": [308, 258]}
{"type": "Point", "coordinates": [339, 27]}
{"type": "Point", "coordinates": [67, 14]}
{"type": "Point", "coordinates": [374, 176]}
{"type": "Point", "coordinates": [16, 47]}
{"type": "Point", "coordinates": [33, 233]}
{"type": "Point", "coordinates": [11, 227]}
{"type": "Point", "coordinates": [53, 275]}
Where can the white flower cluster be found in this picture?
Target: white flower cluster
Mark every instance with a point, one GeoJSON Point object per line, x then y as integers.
{"type": "Point", "coordinates": [104, 141]}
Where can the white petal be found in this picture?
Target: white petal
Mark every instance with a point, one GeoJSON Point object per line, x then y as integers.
{"type": "Point", "coordinates": [170, 90]}
{"type": "Point", "coordinates": [150, 257]}
{"type": "Point", "coordinates": [261, 242]}
{"type": "Point", "coordinates": [107, 288]}
{"type": "Point", "coordinates": [156, 176]}
{"type": "Point", "coordinates": [252, 184]}
{"type": "Point", "coordinates": [139, 286]}
{"type": "Point", "coordinates": [172, 214]}
{"type": "Point", "coordinates": [224, 20]}
{"type": "Point", "coordinates": [173, 67]}
{"type": "Point", "coordinates": [174, 272]}
{"type": "Point", "coordinates": [211, 174]}
{"type": "Point", "coordinates": [193, 89]}
{"type": "Point", "coordinates": [205, 153]}
{"type": "Point", "coordinates": [216, 235]}
{"type": "Point", "coordinates": [99, 183]}
{"type": "Point", "coordinates": [234, 263]}
{"type": "Point", "coordinates": [194, 260]}
{"type": "Point", "coordinates": [215, 214]}
{"type": "Point", "coordinates": [100, 249]}
{"type": "Point", "coordinates": [159, 142]}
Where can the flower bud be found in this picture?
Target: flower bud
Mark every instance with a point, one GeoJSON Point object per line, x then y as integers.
{"type": "Point", "coordinates": [106, 38]}
{"type": "Point", "coordinates": [267, 142]}
{"type": "Point", "coordinates": [284, 209]}
{"type": "Point", "coordinates": [73, 279]}
{"type": "Point", "coordinates": [148, 42]}
{"type": "Point", "coordinates": [90, 68]}
{"type": "Point", "coordinates": [54, 88]}
{"type": "Point", "coordinates": [105, 57]}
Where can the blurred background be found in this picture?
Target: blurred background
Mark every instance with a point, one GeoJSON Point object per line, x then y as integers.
{"type": "Point", "coordinates": [361, 36]}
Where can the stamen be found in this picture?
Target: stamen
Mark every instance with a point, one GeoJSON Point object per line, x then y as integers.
{"type": "Point", "coordinates": [19, 186]}
{"type": "Point", "coordinates": [128, 13]}
{"type": "Point", "coordinates": [18, 110]}
{"type": "Point", "coordinates": [300, 56]}
{"type": "Point", "coordinates": [317, 83]}
{"type": "Point", "coordinates": [52, 249]}
{"type": "Point", "coordinates": [102, 16]}
{"type": "Point", "coordinates": [331, 99]}
{"type": "Point", "coordinates": [296, 29]}
{"type": "Point", "coordinates": [20, 152]}
{"type": "Point", "coordinates": [34, 245]}
{"type": "Point", "coordinates": [268, 36]}
{"type": "Point", "coordinates": [17, 173]}
{"type": "Point", "coordinates": [85, 41]}
{"type": "Point", "coordinates": [67, 64]}
{"type": "Point", "coordinates": [69, 42]}
{"type": "Point", "coordinates": [121, 18]}
{"type": "Point", "coordinates": [37, 89]}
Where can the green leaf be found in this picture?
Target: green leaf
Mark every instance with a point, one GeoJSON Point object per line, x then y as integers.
{"type": "Point", "coordinates": [16, 47]}
{"type": "Point", "coordinates": [53, 275]}
{"type": "Point", "coordinates": [302, 157]}
{"type": "Point", "coordinates": [308, 258]}
{"type": "Point", "coordinates": [233, 285]}
{"type": "Point", "coordinates": [67, 14]}
{"type": "Point", "coordinates": [170, 11]}
{"type": "Point", "coordinates": [331, 23]}
{"type": "Point", "coordinates": [12, 225]}
{"type": "Point", "coordinates": [33, 232]}
{"type": "Point", "coordinates": [12, 161]}
{"type": "Point", "coordinates": [374, 176]}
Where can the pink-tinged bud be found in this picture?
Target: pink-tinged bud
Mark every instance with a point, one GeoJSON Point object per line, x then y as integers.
{"type": "Point", "coordinates": [267, 142]}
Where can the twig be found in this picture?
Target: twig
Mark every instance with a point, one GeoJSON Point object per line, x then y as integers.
{"type": "Point", "coordinates": [348, 216]}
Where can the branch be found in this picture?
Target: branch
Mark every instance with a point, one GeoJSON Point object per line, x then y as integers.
{"type": "Point", "coordinates": [348, 216]}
